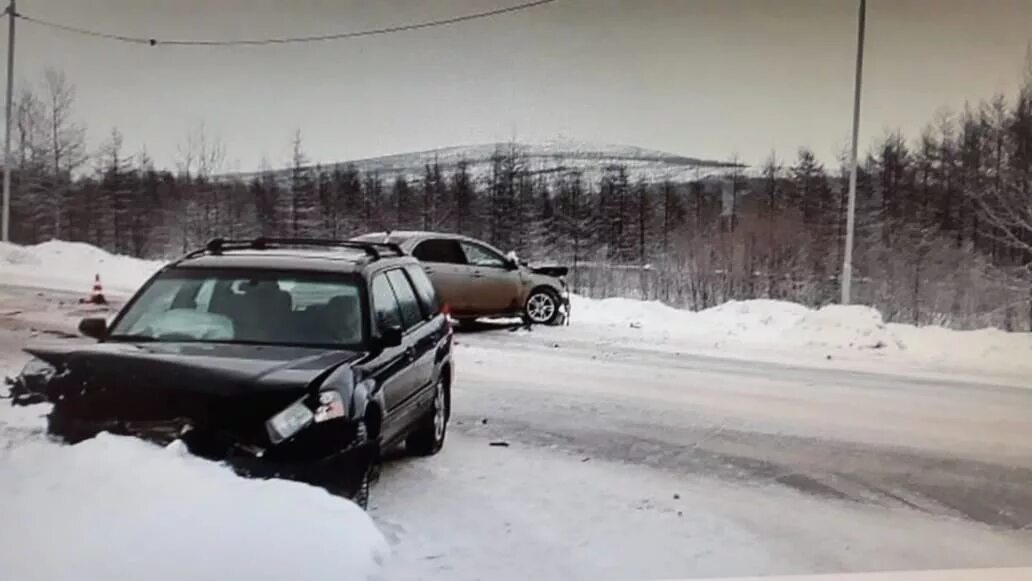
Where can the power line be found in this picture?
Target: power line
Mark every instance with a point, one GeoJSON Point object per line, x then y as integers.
{"type": "Point", "coordinates": [286, 40]}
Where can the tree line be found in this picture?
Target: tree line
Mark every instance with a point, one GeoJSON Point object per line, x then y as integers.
{"type": "Point", "coordinates": [944, 220]}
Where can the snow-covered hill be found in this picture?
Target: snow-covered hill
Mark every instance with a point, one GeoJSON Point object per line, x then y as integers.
{"type": "Point", "coordinates": [553, 156]}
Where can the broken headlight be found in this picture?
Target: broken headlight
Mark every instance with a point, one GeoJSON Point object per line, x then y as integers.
{"type": "Point", "coordinates": [289, 421]}
{"type": "Point", "coordinates": [30, 386]}
{"type": "Point", "coordinates": [298, 416]}
{"type": "Point", "coordinates": [39, 368]}
{"type": "Point", "coordinates": [331, 405]}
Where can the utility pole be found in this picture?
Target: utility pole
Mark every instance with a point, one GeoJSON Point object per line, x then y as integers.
{"type": "Point", "coordinates": [5, 220]}
{"type": "Point", "coordinates": [847, 261]}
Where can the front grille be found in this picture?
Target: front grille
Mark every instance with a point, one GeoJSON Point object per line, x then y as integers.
{"type": "Point", "coordinates": [242, 413]}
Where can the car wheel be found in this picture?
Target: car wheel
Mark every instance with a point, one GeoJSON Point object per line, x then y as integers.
{"type": "Point", "coordinates": [355, 483]}
{"type": "Point", "coordinates": [466, 323]}
{"type": "Point", "coordinates": [542, 307]}
{"type": "Point", "coordinates": [428, 439]}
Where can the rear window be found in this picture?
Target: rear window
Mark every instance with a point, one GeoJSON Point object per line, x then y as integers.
{"type": "Point", "coordinates": [440, 250]}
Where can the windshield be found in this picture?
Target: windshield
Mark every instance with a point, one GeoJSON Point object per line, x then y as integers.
{"type": "Point", "coordinates": [240, 306]}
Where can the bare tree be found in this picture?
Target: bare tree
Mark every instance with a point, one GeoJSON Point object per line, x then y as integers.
{"type": "Point", "coordinates": [29, 133]}
{"type": "Point", "coordinates": [201, 158]}
{"type": "Point", "coordinates": [29, 207]}
{"type": "Point", "coordinates": [66, 141]}
{"type": "Point", "coordinates": [1008, 205]}
{"type": "Point", "coordinates": [302, 190]}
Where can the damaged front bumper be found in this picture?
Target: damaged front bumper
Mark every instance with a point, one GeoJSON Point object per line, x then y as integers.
{"type": "Point", "coordinates": [324, 454]}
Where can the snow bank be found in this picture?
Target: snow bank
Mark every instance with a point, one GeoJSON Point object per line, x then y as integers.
{"type": "Point", "coordinates": [852, 330]}
{"type": "Point", "coordinates": [754, 321]}
{"type": "Point", "coordinates": [843, 327]}
{"type": "Point", "coordinates": [71, 266]}
{"type": "Point", "coordinates": [115, 508]}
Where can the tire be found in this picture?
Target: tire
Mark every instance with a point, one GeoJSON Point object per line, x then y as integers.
{"type": "Point", "coordinates": [428, 439]}
{"type": "Point", "coordinates": [355, 484]}
{"type": "Point", "coordinates": [466, 323]}
{"type": "Point", "coordinates": [542, 307]}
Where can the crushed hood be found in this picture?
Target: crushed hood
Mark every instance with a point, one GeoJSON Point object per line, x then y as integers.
{"type": "Point", "coordinates": [548, 270]}
{"type": "Point", "coordinates": [218, 369]}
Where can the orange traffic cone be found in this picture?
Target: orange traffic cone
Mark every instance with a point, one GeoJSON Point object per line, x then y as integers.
{"type": "Point", "coordinates": [96, 294]}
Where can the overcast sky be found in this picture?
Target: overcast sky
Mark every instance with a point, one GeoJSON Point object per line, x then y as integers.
{"type": "Point", "coordinates": [696, 77]}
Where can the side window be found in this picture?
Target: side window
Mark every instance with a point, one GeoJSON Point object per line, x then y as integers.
{"type": "Point", "coordinates": [424, 290]}
{"type": "Point", "coordinates": [411, 313]}
{"type": "Point", "coordinates": [385, 305]}
{"type": "Point", "coordinates": [481, 256]}
{"type": "Point", "coordinates": [439, 250]}
{"type": "Point", "coordinates": [205, 294]}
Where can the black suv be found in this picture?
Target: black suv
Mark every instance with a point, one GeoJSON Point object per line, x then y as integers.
{"type": "Point", "coordinates": [288, 358]}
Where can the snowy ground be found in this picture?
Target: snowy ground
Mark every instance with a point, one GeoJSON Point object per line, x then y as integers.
{"type": "Point", "coordinates": [115, 508]}
{"type": "Point", "coordinates": [638, 449]}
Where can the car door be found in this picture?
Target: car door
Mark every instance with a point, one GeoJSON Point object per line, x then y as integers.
{"type": "Point", "coordinates": [394, 375]}
{"type": "Point", "coordinates": [420, 339]}
{"type": "Point", "coordinates": [495, 281]}
{"type": "Point", "coordinates": [445, 264]}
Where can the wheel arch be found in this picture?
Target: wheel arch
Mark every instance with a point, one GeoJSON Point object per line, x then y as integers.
{"type": "Point", "coordinates": [446, 378]}
{"type": "Point", "coordinates": [366, 403]}
{"type": "Point", "coordinates": [542, 286]}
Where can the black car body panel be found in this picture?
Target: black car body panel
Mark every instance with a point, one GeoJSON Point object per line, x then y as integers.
{"type": "Point", "coordinates": [227, 392]}
{"type": "Point", "coordinates": [556, 271]}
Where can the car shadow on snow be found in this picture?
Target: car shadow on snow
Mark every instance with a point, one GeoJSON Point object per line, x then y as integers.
{"type": "Point", "coordinates": [480, 326]}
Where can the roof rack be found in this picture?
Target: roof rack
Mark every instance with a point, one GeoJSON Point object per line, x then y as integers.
{"type": "Point", "coordinates": [375, 250]}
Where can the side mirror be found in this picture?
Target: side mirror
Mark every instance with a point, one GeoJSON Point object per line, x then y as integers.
{"type": "Point", "coordinates": [514, 260]}
{"type": "Point", "coordinates": [391, 336]}
{"type": "Point", "coordinates": [94, 327]}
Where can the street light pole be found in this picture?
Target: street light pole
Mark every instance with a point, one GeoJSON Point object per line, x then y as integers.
{"type": "Point", "coordinates": [5, 220]}
{"type": "Point", "coordinates": [847, 261]}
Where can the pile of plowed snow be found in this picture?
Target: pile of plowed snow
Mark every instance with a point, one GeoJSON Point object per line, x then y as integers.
{"type": "Point", "coordinates": [784, 326]}
{"type": "Point", "coordinates": [116, 508]}
{"type": "Point", "coordinates": [752, 321]}
{"type": "Point", "coordinates": [71, 266]}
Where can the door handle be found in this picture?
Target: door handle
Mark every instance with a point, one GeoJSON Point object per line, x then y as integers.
{"type": "Point", "coordinates": [410, 353]}
{"type": "Point", "coordinates": [478, 275]}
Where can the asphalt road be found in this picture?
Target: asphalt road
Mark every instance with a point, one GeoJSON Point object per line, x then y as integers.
{"type": "Point", "coordinates": [954, 449]}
